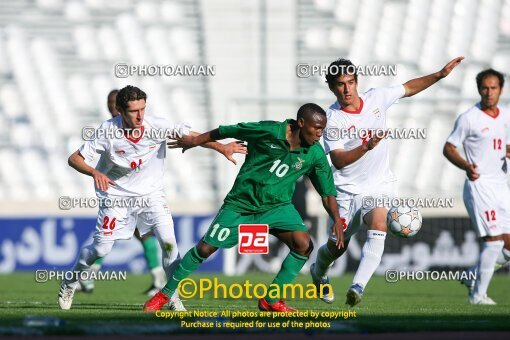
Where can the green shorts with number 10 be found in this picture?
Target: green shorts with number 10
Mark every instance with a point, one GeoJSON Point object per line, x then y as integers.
{"type": "Point", "coordinates": [223, 232]}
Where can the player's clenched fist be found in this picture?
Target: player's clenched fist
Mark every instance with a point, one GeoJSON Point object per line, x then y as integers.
{"type": "Point", "coordinates": [101, 180]}
{"type": "Point", "coordinates": [471, 172]}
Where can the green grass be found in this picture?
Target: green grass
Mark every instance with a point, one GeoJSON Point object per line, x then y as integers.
{"type": "Point", "coordinates": [115, 306]}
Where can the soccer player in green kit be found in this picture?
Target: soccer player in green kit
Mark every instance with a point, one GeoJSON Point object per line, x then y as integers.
{"type": "Point", "coordinates": [278, 154]}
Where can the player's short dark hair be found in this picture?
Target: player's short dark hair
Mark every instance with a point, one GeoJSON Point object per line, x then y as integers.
{"type": "Point", "coordinates": [307, 110]}
{"type": "Point", "coordinates": [340, 67]}
{"type": "Point", "coordinates": [127, 94]}
{"type": "Point", "coordinates": [489, 72]}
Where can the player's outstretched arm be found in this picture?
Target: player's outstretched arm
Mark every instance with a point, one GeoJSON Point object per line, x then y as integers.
{"type": "Point", "coordinates": [227, 150]}
{"type": "Point", "coordinates": [329, 203]}
{"type": "Point", "coordinates": [341, 158]}
{"type": "Point", "coordinates": [193, 139]}
{"type": "Point", "coordinates": [452, 154]}
{"type": "Point", "coordinates": [77, 162]}
{"type": "Point", "coordinates": [508, 151]}
{"type": "Point", "coordinates": [208, 140]}
{"type": "Point", "coordinates": [417, 85]}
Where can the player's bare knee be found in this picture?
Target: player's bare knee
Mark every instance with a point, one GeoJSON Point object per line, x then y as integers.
{"type": "Point", "coordinates": [309, 249]}
{"type": "Point", "coordinates": [378, 225]}
{"type": "Point", "coordinates": [303, 245]}
{"type": "Point", "coordinates": [333, 249]}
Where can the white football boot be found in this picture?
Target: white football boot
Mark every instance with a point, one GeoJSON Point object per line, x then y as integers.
{"type": "Point", "coordinates": [480, 300]}
{"type": "Point", "coordinates": [65, 296]}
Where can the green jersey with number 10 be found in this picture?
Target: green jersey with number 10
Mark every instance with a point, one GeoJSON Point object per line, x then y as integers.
{"type": "Point", "coordinates": [268, 176]}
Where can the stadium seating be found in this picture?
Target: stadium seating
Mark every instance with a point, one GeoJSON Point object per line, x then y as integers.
{"type": "Point", "coordinates": [57, 58]}
{"type": "Point", "coordinates": [56, 68]}
{"type": "Point", "coordinates": [411, 35]}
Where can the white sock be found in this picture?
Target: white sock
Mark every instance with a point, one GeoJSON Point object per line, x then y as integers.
{"type": "Point", "coordinates": [370, 257]}
{"type": "Point", "coordinates": [471, 271]}
{"type": "Point", "coordinates": [158, 277]}
{"type": "Point", "coordinates": [171, 258]}
{"type": "Point", "coordinates": [324, 261]}
{"type": "Point", "coordinates": [503, 259]}
{"type": "Point", "coordinates": [88, 255]}
{"type": "Point", "coordinates": [95, 267]}
{"type": "Point", "coordinates": [486, 263]}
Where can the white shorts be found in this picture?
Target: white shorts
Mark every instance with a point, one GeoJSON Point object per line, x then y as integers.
{"type": "Point", "coordinates": [488, 207]}
{"type": "Point", "coordinates": [354, 207]}
{"type": "Point", "coordinates": [119, 223]}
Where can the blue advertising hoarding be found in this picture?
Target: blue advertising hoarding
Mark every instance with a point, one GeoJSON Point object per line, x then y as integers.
{"type": "Point", "coordinates": [28, 244]}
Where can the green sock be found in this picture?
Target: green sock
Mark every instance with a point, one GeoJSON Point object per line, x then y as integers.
{"type": "Point", "coordinates": [189, 263]}
{"type": "Point", "coordinates": [99, 261]}
{"type": "Point", "coordinates": [288, 272]}
{"type": "Point", "coordinates": [150, 250]}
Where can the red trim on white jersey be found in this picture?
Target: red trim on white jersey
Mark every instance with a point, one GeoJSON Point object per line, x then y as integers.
{"type": "Point", "coordinates": [135, 140]}
{"type": "Point", "coordinates": [496, 116]}
{"type": "Point", "coordinates": [358, 111]}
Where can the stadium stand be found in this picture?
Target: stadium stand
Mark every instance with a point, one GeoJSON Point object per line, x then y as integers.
{"type": "Point", "coordinates": [411, 35]}
{"type": "Point", "coordinates": [56, 67]}
{"type": "Point", "coordinates": [57, 59]}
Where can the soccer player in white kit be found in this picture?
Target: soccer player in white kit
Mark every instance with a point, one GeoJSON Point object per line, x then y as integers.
{"type": "Point", "coordinates": [361, 167]}
{"type": "Point", "coordinates": [131, 166]}
{"type": "Point", "coordinates": [149, 242]}
{"type": "Point", "coordinates": [483, 132]}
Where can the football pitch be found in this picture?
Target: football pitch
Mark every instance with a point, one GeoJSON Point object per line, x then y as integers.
{"type": "Point", "coordinates": [115, 307]}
